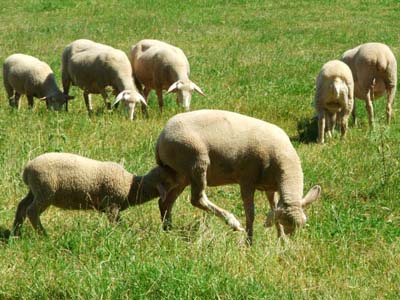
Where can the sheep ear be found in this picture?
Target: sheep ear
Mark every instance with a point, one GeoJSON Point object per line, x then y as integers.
{"type": "Point", "coordinates": [312, 195]}
{"type": "Point", "coordinates": [175, 86]}
{"type": "Point", "coordinates": [123, 95]}
{"type": "Point", "coordinates": [197, 88]}
{"type": "Point", "coordinates": [141, 99]}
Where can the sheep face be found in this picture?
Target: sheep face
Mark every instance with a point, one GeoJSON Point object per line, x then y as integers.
{"type": "Point", "coordinates": [55, 102]}
{"type": "Point", "coordinates": [288, 219]}
{"type": "Point", "coordinates": [184, 90]}
{"type": "Point", "coordinates": [130, 99]}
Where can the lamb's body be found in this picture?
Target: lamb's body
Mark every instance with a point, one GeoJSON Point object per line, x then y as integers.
{"type": "Point", "coordinates": [93, 67]}
{"type": "Point", "coordinates": [333, 97]}
{"type": "Point", "coordinates": [161, 66]}
{"type": "Point", "coordinates": [26, 75]}
{"type": "Point", "coordinates": [71, 181]}
{"type": "Point", "coordinates": [374, 69]}
{"type": "Point", "coordinates": [212, 147]}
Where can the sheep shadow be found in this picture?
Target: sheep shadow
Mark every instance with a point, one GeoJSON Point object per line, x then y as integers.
{"type": "Point", "coordinates": [307, 129]}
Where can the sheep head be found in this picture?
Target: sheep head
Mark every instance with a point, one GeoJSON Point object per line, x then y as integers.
{"type": "Point", "coordinates": [130, 99]}
{"type": "Point", "coordinates": [184, 90]}
{"type": "Point", "coordinates": [288, 219]}
{"type": "Point", "coordinates": [56, 101]}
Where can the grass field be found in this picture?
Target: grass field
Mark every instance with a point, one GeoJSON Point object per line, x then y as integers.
{"type": "Point", "coordinates": [258, 58]}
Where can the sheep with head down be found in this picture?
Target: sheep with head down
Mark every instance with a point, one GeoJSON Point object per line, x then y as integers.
{"type": "Point", "coordinates": [374, 69]}
{"type": "Point", "coordinates": [26, 75]}
{"type": "Point", "coordinates": [71, 181]}
{"type": "Point", "coordinates": [160, 66]}
{"type": "Point", "coordinates": [213, 147]}
{"type": "Point", "coordinates": [93, 67]}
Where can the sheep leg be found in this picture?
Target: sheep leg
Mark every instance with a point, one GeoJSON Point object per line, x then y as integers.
{"type": "Point", "coordinates": [17, 103]}
{"type": "Point", "coordinates": [88, 102]}
{"type": "Point", "coordinates": [353, 114]}
{"type": "Point", "coordinates": [105, 99]}
{"type": "Point", "coordinates": [113, 213]}
{"type": "Point", "coordinates": [166, 206]}
{"type": "Point", "coordinates": [30, 101]}
{"type": "Point", "coordinates": [247, 193]}
{"type": "Point", "coordinates": [146, 92]}
{"type": "Point", "coordinates": [160, 99]}
{"type": "Point", "coordinates": [369, 107]}
{"type": "Point", "coordinates": [391, 90]}
{"type": "Point", "coordinates": [34, 211]}
{"type": "Point", "coordinates": [343, 121]}
{"type": "Point", "coordinates": [321, 127]}
{"type": "Point", "coordinates": [199, 199]}
{"type": "Point", "coordinates": [20, 215]}
{"type": "Point", "coordinates": [273, 204]}
{"type": "Point", "coordinates": [10, 93]}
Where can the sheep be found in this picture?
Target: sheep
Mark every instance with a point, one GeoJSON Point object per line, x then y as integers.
{"type": "Point", "coordinates": [374, 69]}
{"type": "Point", "coordinates": [26, 75]}
{"type": "Point", "coordinates": [93, 67]}
{"type": "Point", "coordinates": [71, 181]}
{"type": "Point", "coordinates": [161, 66]}
{"type": "Point", "coordinates": [333, 97]}
{"type": "Point", "coordinates": [215, 147]}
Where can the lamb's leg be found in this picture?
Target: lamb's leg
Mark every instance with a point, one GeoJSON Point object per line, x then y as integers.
{"type": "Point", "coordinates": [160, 99]}
{"type": "Point", "coordinates": [353, 113]}
{"type": "Point", "coordinates": [343, 121]}
{"type": "Point", "coordinates": [247, 192]}
{"type": "Point", "coordinates": [20, 215]}
{"type": "Point", "coordinates": [105, 99]}
{"type": "Point", "coordinates": [30, 101]}
{"type": "Point", "coordinates": [273, 204]}
{"type": "Point", "coordinates": [199, 199]}
{"type": "Point", "coordinates": [321, 127]}
{"type": "Point", "coordinates": [34, 211]}
{"type": "Point", "coordinates": [391, 91]}
{"type": "Point", "coordinates": [166, 206]}
{"type": "Point", "coordinates": [88, 102]}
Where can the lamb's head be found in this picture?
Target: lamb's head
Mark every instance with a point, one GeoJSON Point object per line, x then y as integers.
{"type": "Point", "coordinates": [130, 99]}
{"type": "Point", "coordinates": [184, 90]}
{"type": "Point", "coordinates": [289, 218]}
{"type": "Point", "coordinates": [57, 100]}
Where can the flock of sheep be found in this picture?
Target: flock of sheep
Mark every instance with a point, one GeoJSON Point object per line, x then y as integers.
{"type": "Point", "coordinates": [200, 148]}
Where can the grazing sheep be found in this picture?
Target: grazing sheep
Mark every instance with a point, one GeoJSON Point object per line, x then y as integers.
{"type": "Point", "coordinates": [333, 97]}
{"type": "Point", "coordinates": [26, 75]}
{"type": "Point", "coordinates": [374, 69]}
{"type": "Point", "coordinates": [161, 66]}
{"type": "Point", "coordinates": [214, 147]}
{"type": "Point", "coordinates": [71, 181]}
{"type": "Point", "coordinates": [93, 67]}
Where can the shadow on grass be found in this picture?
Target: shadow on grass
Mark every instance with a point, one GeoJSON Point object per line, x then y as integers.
{"type": "Point", "coordinates": [4, 234]}
{"type": "Point", "coordinates": [307, 130]}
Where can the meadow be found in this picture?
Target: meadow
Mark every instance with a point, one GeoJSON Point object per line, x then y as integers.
{"type": "Point", "coordinates": [258, 58]}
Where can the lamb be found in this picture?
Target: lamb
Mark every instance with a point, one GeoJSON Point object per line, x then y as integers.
{"type": "Point", "coordinates": [215, 147]}
{"type": "Point", "coordinates": [333, 97]}
{"type": "Point", "coordinates": [93, 67]}
{"type": "Point", "coordinates": [161, 66]}
{"type": "Point", "coordinates": [26, 75]}
{"type": "Point", "coordinates": [374, 69]}
{"type": "Point", "coordinates": [71, 181]}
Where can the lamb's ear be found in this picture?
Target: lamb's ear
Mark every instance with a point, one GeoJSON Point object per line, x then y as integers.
{"type": "Point", "coordinates": [175, 86]}
{"type": "Point", "coordinates": [162, 191]}
{"type": "Point", "coordinates": [197, 88]}
{"type": "Point", "coordinates": [141, 99]}
{"type": "Point", "coordinates": [312, 195]}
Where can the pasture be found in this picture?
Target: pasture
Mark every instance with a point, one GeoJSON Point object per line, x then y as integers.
{"type": "Point", "coordinates": [258, 58]}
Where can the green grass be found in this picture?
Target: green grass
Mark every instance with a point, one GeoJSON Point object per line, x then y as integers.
{"type": "Point", "coordinates": [258, 58]}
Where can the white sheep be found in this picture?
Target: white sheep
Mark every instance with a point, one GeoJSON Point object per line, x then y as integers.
{"type": "Point", "coordinates": [214, 147]}
{"type": "Point", "coordinates": [374, 69]}
{"type": "Point", "coordinates": [93, 67]}
{"type": "Point", "coordinates": [26, 75]}
{"type": "Point", "coordinates": [333, 97]}
{"type": "Point", "coordinates": [71, 181]}
{"type": "Point", "coordinates": [161, 66]}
